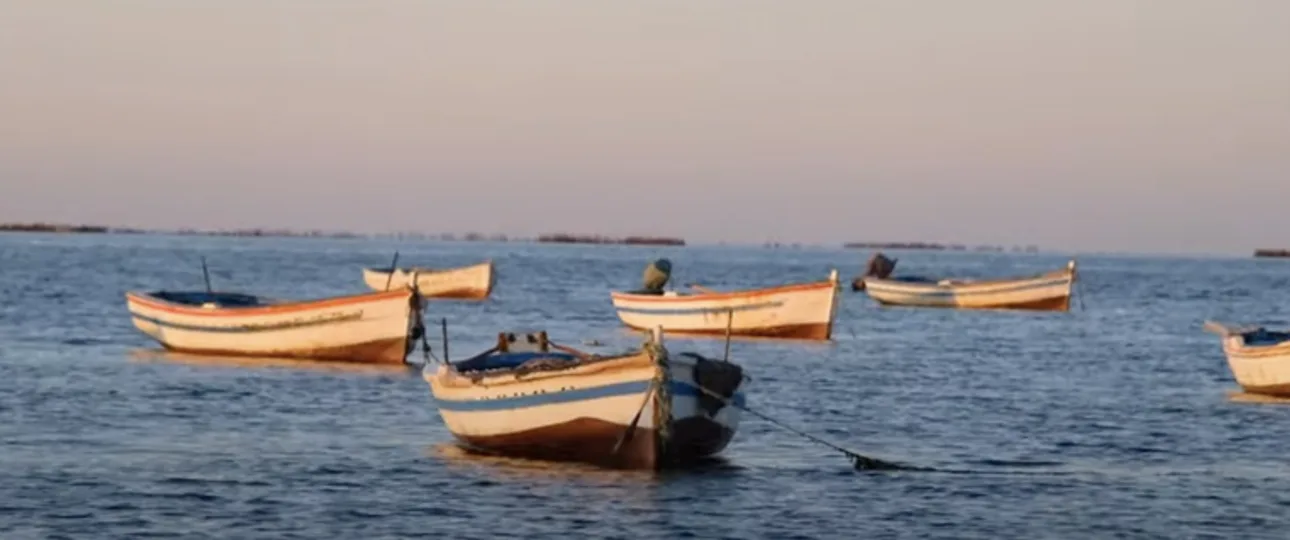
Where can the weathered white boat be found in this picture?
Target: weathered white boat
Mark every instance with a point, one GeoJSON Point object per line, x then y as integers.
{"type": "Point", "coordinates": [1259, 358]}
{"type": "Point", "coordinates": [474, 282]}
{"type": "Point", "coordinates": [646, 409]}
{"type": "Point", "coordinates": [375, 328]}
{"type": "Point", "coordinates": [1045, 292]}
{"type": "Point", "coordinates": [800, 311]}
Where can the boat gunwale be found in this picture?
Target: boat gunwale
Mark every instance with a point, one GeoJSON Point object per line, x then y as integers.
{"type": "Point", "coordinates": [1065, 276]}
{"type": "Point", "coordinates": [150, 300]}
{"type": "Point", "coordinates": [1235, 344]}
{"type": "Point", "coordinates": [494, 377]}
{"type": "Point", "coordinates": [810, 286]}
{"type": "Point", "coordinates": [425, 270]}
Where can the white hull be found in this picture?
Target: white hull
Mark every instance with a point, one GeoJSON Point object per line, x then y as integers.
{"type": "Point", "coordinates": [581, 410]}
{"type": "Point", "coordinates": [804, 311]}
{"type": "Point", "coordinates": [473, 282]}
{"type": "Point", "coordinates": [1046, 292]}
{"type": "Point", "coordinates": [364, 328]}
{"type": "Point", "coordinates": [1259, 369]}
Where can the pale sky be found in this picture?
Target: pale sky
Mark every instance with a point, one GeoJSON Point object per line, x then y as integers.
{"type": "Point", "coordinates": [1086, 125]}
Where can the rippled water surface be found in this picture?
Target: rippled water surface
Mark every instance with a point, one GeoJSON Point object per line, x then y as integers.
{"type": "Point", "coordinates": [1116, 421]}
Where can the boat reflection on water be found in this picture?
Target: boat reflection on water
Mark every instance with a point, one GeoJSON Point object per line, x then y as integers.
{"type": "Point", "coordinates": [504, 468]}
{"type": "Point", "coordinates": [243, 362]}
{"type": "Point", "coordinates": [1239, 396]}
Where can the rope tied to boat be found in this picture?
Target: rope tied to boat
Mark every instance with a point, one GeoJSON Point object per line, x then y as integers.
{"type": "Point", "coordinates": [662, 386]}
{"type": "Point", "coordinates": [860, 462]}
{"type": "Point", "coordinates": [419, 327]}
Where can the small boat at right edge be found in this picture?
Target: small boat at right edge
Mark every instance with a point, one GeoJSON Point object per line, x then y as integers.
{"type": "Point", "coordinates": [1050, 291]}
{"type": "Point", "coordinates": [1259, 358]}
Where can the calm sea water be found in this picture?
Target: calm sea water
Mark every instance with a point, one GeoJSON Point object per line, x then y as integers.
{"type": "Point", "coordinates": [1116, 421]}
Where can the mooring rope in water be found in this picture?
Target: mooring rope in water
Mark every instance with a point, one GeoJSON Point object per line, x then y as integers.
{"type": "Point", "coordinates": [859, 461]}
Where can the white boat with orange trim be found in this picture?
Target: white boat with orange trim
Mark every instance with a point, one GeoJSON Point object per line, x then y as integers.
{"type": "Point", "coordinates": [796, 311]}
{"type": "Point", "coordinates": [1045, 292]}
{"type": "Point", "coordinates": [1259, 358]}
{"type": "Point", "coordinates": [375, 328]}
{"type": "Point", "coordinates": [645, 409]}
{"type": "Point", "coordinates": [474, 282]}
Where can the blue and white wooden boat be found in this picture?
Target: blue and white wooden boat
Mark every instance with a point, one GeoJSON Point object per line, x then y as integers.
{"type": "Point", "coordinates": [1259, 358]}
{"type": "Point", "coordinates": [1045, 292]}
{"type": "Point", "coordinates": [647, 409]}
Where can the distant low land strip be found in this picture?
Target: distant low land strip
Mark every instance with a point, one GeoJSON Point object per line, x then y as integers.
{"type": "Point", "coordinates": [1272, 253]}
{"type": "Point", "coordinates": [563, 238]}
{"type": "Point", "coordinates": [556, 238]}
{"type": "Point", "coordinates": [935, 247]}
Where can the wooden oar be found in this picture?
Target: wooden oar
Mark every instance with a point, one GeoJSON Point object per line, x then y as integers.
{"type": "Point", "coordinates": [701, 288]}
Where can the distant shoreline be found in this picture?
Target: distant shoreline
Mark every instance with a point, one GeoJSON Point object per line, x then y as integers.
{"type": "Point", "coordinates": [1272, 253]}
{"type": "Point", "coordinates": [553, 238]}
{"type": "Point", "coordinates": [548, 238]}
{"type": "Point", "coordinates": [927, 246]}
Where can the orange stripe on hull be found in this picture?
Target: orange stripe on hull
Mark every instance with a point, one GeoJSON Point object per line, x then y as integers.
{"type": "Point", "coordinates": [1276, 390]}
{"type": "Point", "coordinates": [461, 294]}
{"type": "Point", "coordinates": [386, 351]}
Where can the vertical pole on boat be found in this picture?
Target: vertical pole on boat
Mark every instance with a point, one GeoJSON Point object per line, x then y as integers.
{"type": "Point", "coordinates": [393, 265]}
{"type": "Point", "coordinates": [206, 275]}
{"type": "Point", "coordinates": [1079, 288]}
{"type": "Point", "coordinates": [443, 325]}
{"type": "Point", "coordinates": [730, 323]}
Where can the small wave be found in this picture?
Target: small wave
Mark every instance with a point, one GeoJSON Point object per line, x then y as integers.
{"type": "Point", "coordinates": [84, 342]}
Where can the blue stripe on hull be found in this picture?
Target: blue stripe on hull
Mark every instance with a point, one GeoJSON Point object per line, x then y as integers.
{"type": "Point", "coordinates": [933, 291]}
{"type": "Point", "coordinates": [285, 325]}
{"type": "Point", "coordinates": [698, 311]}
{"type": "Point", "coordinates": [679, 389]}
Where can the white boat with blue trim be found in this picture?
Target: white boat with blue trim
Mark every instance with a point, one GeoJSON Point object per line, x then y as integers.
{"type": "Point", "coordinates": [1259, 358]}
{"type": "Point", "coordinates": [646, 409]}
{"type": "Point", "coordinates": [374, 328]}
{"type": "Point", "coordinates": [1045, 292]}
{"type": "Point", "coordinates": [794, 311]}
